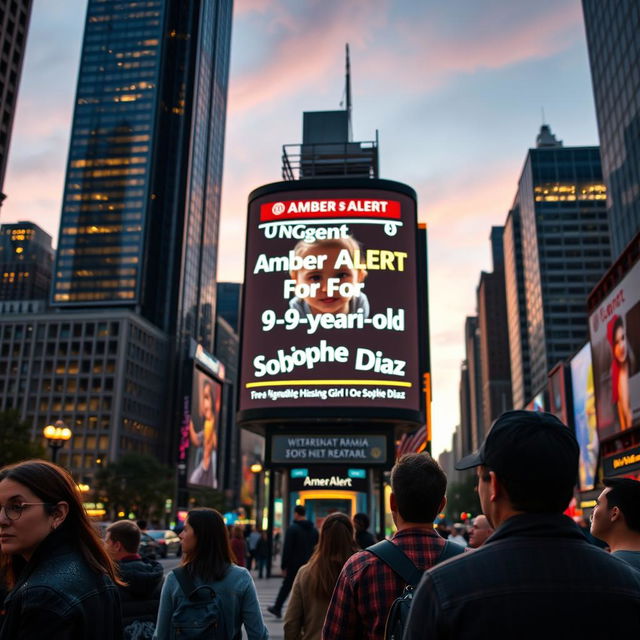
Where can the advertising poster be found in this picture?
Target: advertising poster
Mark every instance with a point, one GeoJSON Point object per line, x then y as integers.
{"type": "Point", "coordinates": [556, 388]}
{"type": "Point", "coordinates": [330, 315]}
{"type": "Point", "coordinates": [584, 416]}
{"type": "Point", "coordinates": [614, 328]}
{"type": "Point", "coordinates": [202, 453]}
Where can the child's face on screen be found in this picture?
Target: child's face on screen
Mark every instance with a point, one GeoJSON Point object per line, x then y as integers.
{"type": "Point", "coordinates": [328, 298]}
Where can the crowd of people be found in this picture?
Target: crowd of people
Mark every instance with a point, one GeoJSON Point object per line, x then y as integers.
{"type": "Point", "coordinates": [524, 569]}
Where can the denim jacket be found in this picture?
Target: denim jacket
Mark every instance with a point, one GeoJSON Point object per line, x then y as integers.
{"type": "Point", "coordinates": [238, 599]}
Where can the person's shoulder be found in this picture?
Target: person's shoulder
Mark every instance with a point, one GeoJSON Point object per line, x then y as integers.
{"type": "Point", "coordinates": [358, 563]}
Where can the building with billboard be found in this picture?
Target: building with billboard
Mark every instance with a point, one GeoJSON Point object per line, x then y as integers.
{"type": "Point", "coordinates": [329, 367]}
{"type": "Point", "coordinates": [614, 325]}
{"type": "Point", "coordinates": [564, 237]}
{"type": "Point", "coordinates": [613, 33]}
{"type": "Point", "coordinates": [14, 25]}
{"type": "Point", "coordinates": [26, 262]}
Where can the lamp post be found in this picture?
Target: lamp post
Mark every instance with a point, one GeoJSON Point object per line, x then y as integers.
{"type": "Point", "coordinates": [56, 434]}
{"type": "Point", "coordinates": [256, 469]}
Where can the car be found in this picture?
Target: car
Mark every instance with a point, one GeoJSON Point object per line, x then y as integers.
{"type": "Point", "coordinates": [149, 548]}
{"type": "Point", "coordinates": [168, 541]}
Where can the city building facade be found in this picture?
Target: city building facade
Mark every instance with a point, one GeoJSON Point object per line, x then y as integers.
{"type": "Point", "coordinates": [565, 243]}
{"type": "Point", "coordinates": [26, 262]}
{"type": "Point", "coordinates": [139, 224]}
{"type": "Point", "coordinates": [613, 40]}
{"type": "Point", "coordinates": [14, 25]}
{"type": "Point", "coordinates": [494, 337]}
{"type": "Point", "coordinates": [101, 372]}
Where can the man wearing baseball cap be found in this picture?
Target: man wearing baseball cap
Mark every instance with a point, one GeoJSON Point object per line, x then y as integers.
{"type": "Point", "coordinates": [537, 576]}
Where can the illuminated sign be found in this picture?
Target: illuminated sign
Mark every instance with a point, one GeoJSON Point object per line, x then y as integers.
{"type": "Point", "coordinates": [327, 478]}
{"type": "Point", "coordinates": [614, 328]}
{"type": "Point", "coordinates": [584, 417]}
{"type": "Point", "coordinates": [297, 448]}
{"type": "Point", "coordinates": [622, 462]}
{"type": "Point", "coordinates": [330, 315]}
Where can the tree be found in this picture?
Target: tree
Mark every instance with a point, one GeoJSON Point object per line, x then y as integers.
{"type": "Point", "coordinates": [136, 483]}
{"type": "Point", "coordinates": [205, 497]}
{"type": "Point", "coordinates": [462, 497]}
{"type": "Point", "coordinates": [15, 439]}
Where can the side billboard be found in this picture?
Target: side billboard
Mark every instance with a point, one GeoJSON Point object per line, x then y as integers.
{"type": "Point", "coordinates": [614, 328]}
{"type": "Point", "coordinates": [584, 416]}
{"type": "Point", "coordinates": [330, 303]}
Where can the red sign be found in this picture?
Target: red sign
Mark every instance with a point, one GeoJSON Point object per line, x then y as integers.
{"type": "Point", "coordinates": [329, 208]}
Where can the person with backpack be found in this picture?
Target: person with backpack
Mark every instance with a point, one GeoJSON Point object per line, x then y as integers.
{"type": "Point", "coordinates": [208, 596]}
{"type": "Point", "coordinates": [315, 580]}
{"type": "Point", "coordinates": [368, 586]}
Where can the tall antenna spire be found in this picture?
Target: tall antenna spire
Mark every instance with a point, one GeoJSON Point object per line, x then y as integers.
{"type": "Point", "coordinates": [348, 91]}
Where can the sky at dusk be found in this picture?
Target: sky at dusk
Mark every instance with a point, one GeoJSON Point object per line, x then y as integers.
{"type": "Point", "coordinates": [455, 92]}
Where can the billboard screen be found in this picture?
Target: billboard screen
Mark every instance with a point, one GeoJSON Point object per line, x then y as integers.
{"type": "Point", "coordinates": [556, 388]}
{"type": "Point", "coordinates": [330, 313]}
{"type": "Point", "coordinates": [584, 416]}
{"type": "Point", "coordinates": [201, 427]}
{"type": "Point", "coordinates": [614, 328]}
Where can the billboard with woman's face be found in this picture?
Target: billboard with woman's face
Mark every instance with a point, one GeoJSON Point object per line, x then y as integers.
{"type": "Point", "coordinates": [330, 313]}
{"type": "Point", "coordinates": [615, 341]}
{"type": "Point", "coordinates": [202, 428]}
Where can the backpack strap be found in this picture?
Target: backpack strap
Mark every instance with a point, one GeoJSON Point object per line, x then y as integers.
{"type": "Point", "coordinates": [185, 581]}
{"type": "Point", "coordinates": [398, 560]}
{"type": "Point", "coordinates": [450, 550]}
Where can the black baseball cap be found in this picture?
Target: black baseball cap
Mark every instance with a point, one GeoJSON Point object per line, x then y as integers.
{"type": "Point", "coordinates": [530, 446]}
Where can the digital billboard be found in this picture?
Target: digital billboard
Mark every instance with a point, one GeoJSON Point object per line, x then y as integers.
{"type": "Point", "coordinates": [330, 306]}
{"type": "Point", "coordinates": [584, 416]}
{"type": "Point", "coordinates": [200, 430]}
{"type": "Point", "coordinates": [556, 389]}
{"type": "Point", "coordinates": [614, 328]}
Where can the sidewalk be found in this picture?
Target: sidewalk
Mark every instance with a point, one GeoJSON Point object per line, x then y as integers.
{"type": "Point", "coordinates": [267, 589]}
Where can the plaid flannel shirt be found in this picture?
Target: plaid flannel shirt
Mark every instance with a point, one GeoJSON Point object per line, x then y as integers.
{"type": "Point", "coordinates": [367, 587]}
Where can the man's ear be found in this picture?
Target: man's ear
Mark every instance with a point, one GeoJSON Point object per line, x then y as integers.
{"type": "Point", "coordinates": [443, 502]}
{"type": "Point", "coordinates": [615, 515]}
{"type": "Point", "coordinates": [497, 490]}
{"type": "Point", "coordinates": [393, 503]}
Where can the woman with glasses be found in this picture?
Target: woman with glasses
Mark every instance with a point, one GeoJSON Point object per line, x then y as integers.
{"type": "Point", "coordinates": [61, 580]}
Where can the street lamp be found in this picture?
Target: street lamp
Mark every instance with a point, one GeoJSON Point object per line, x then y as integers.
{"type": "Point", "coordinates": [256, 469]}
{"type": "Point", "coordinates": [56, 434]}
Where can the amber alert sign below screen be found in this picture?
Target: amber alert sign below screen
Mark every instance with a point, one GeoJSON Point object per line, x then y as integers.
{"type": "Point", "coordinates": [330, 313]}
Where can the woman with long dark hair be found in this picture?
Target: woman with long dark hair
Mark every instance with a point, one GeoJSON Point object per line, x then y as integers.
{"type": "Point", "coordinates": [620, 358]}
{"type": "Point", "coordinates": [314, 583]}
{"type": "Point", "coordinates": [208, 581]}
{"type": "Point", "coordinates": [62, 582]}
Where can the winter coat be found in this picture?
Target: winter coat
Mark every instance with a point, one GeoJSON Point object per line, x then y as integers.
{"type": "Point", "coordinates": [299, 541]}
{"type": "Point", "coordinates": [141, 597]}
{"type": "Point", "coordinates": [59, 597]}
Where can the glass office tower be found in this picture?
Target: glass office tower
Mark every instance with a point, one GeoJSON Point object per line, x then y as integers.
{"type": "Point", "coordinates": [140, 214]}
{"type": "Point", "coordinates": [565, 249]}
{"type": "Point", "coordinates": [613, 39]}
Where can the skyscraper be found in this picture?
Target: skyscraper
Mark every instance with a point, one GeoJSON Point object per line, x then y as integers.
{"type": "Point", "coordinates": [494, 337]}
{"type": "Point", "coordinates": [613, 39]}
{"type": "Point", "coordinates": [140, 214]}
{"type": "Point", "coordinates": [14, 23]}
{"type": "Point", "coordinates": [26, 262]}
{"type": "Point", "coordinates": [564, 237]}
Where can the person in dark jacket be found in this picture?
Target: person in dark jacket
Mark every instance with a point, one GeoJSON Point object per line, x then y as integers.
{"type": "Point", "coordinates": [537, 565]}
{"type": "Point", "coordinates": [62, 581]}
{"type": "Point", "coordinates": [141, 595]}
{"type": "Point", "coordinates": [299, 541]}
{"type": "Point", "coordinates": [364, 538]}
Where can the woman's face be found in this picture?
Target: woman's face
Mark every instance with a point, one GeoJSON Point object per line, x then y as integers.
{"type": "Point", "coordinates": [207, 402]}
{"type": "Point", "coordinates": [26, 528]}
{"type": "Point", "coordinates": [188, 538]}
{"type": "Point", "coordinates": [620, 345]}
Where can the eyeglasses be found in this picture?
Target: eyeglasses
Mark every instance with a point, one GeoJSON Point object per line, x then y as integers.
{"type": "Point", "coordinates": [14, 511]}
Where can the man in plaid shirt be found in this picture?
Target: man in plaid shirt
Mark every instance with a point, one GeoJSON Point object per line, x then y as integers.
{"type": "Point", "coordinates": [367, 586]}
